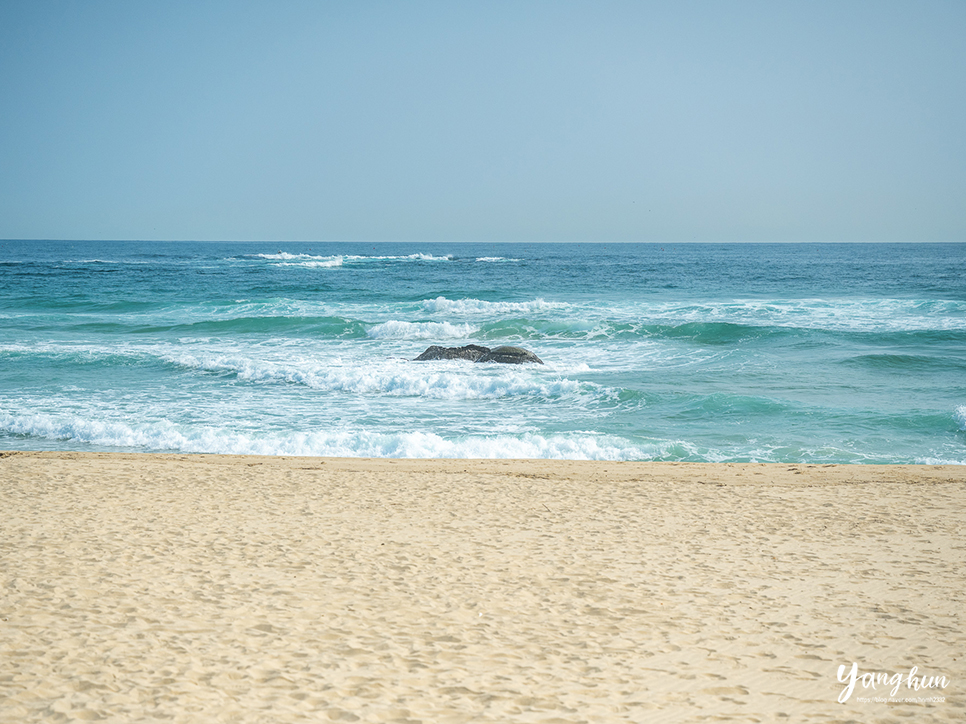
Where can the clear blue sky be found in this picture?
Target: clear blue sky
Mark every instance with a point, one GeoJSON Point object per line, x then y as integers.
{"type": "Point", "coordinates": [502, 121]}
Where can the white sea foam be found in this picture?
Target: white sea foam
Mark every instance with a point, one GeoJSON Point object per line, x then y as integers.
{"type": "Point", "coordinates": [960, 417]}
{"type": "Point", "coordinates": [303, 260]}
{"type": "Point", "coordinates": [406, 257]}
{"type": "Point", "coordinates": [283, 256]}
{"type": "Point", "coordinates": [397, 329]}
{"type": "Point", "coordinates": [97, 432]}
{"type": "Point", "coordinates": [493, 259]}
{"type": "Point", "coordinates": [418, 257]}
{"type": "Point", "coordinates": [442, 305]}
{"type": "Point", "coordinates": [164, 435]}
{"type": "Point", "coordinates": [335, 261]}
{"type": "Point", "coordinates": [396, 379]}
{"type": "Point", "coordinates": [939, 461]}
{"type": "Point", "coordinates": [292, 363]}
{"type": "Point", "coordinates": [872, 315]}
{"type": "Point", "coordinates": [86, 351]}
{"type": "Point", "coordinates": [104, 261]}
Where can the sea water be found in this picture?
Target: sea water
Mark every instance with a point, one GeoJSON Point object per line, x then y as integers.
{"type": "Point", "coordinates": [817, 353]}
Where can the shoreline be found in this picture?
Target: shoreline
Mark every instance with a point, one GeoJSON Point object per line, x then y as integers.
{"type": "Point", "coordinates": [569, 466]}
{"type": "Point", "coordinates": [255, 588]}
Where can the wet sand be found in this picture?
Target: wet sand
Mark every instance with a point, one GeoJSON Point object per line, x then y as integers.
{"type": "Point", "coordinates": [257, 589]}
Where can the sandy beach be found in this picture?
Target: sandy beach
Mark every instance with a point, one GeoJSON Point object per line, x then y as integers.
{"type": "Point", "coordinates": [256, 589]}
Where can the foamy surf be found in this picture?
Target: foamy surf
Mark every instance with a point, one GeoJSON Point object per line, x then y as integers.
{"type": "Point", "coordinates": [319, 264]}
{"type": "Point", "coordinates": [398, 329]}
{"type": "Point", "coordinates": [283, 256]}
{"type": "Point", "coordinates": [398, 378]}
{"type": "Point", "coordinates": [164, 436]}
{"type": "Point", "coordinates": [442, 305]}
{"type": "Point", "coordinates": [834, 353]}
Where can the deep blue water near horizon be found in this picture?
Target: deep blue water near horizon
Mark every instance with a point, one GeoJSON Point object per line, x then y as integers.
{"type": "Point", "coordinates": [817, 353]}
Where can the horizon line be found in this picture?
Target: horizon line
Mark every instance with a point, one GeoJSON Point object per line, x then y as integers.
{"type": "Point", "coordinates": [486, 241]}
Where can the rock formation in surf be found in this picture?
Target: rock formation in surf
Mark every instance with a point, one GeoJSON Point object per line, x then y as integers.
{"type": "Point", "coordinates": [476, 353]}
{"type": "Point", "coordinates": [511, 356]}
{"type": "Point", "coordinates": [471, 352]}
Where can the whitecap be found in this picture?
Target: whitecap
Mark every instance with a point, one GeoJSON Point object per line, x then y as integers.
{"type": "Point", "coordinates": [285, 256]}
{"type": "Point", "coordinates": [424, 257]}
{"type": "Point", "coordinates": [396, 329]}
{"type": "Point", "coordinates": [407, 257]}
{"type": "Point", "coordinates": [310, 260]}
{"type": "Point", "coordinates": [335, 261]}
{"type": "Point", "coordinates": [442, 305]}
{"type": "Point", "coordinates": [832, 314]}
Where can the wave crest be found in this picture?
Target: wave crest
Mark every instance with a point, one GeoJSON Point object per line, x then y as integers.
{"type": "Point", "coordinates": [442, 305]}
{"type": "Point", "coordinates": [396, 329]}
{"type": "Point", "coordinates": [337, 260]}
{"type": "Point", "coordinates": [163, 435]}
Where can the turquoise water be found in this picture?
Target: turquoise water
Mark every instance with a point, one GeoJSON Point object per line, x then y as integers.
{"type": "Point", "coordinates": [823, 353]}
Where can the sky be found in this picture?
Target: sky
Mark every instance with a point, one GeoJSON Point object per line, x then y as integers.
{"type": "Point", "coordinates": [483, 121]}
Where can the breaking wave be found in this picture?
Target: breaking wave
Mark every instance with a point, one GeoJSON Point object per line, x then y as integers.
{"type": "Point", "coordinates": [164, 436]}
{"type": "Point", "coordinates": [339, 260]}
{"type": "Point", "coordinates": [442, 305]}
{"type": "Point", "coordinates": [395, 329]}
{"type": "Point", "coordinates": [401, 379]}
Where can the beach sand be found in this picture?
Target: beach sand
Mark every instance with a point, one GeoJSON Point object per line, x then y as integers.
{"type": "Point", "coordinates": [255, 589]}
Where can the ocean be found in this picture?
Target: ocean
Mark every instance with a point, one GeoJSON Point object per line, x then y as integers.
{"type": "Point", "coordinates": [790, 353]}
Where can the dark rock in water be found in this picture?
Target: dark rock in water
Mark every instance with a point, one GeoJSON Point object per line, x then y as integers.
{"type": "Point", "coordinates": [476, 353]}
{"type": "Point", "coordinates": [511, 356]}
{"type": "Point", "coordinates": [471, 352]}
